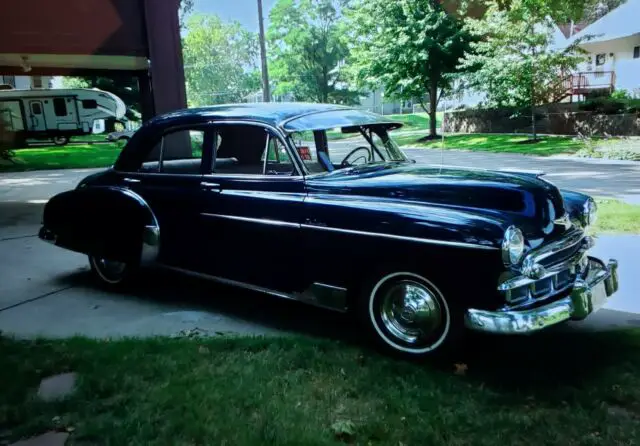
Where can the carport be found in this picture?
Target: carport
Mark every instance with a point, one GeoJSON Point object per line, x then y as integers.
{"type": "Point", "coordinates": [133, 38]}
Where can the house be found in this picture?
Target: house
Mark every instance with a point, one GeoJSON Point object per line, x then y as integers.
{"type": "Point", "coordinates": [613, 46]}
{"type": "Point", "coordinates": [27, 82]}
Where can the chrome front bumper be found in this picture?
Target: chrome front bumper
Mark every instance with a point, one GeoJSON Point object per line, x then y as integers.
{"type": "Point", "coordinates": [587, 295]}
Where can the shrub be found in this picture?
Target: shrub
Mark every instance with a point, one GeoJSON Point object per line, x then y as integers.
{"type": "Point", "coordinates": [605, 106]}
{"type": "Point", "coordinates": [620, 95]}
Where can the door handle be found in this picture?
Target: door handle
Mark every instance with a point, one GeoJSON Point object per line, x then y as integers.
{"type": "Point", "coordinates": [211, 187]}
{"type": "Point", "coordinates": [131, 180]}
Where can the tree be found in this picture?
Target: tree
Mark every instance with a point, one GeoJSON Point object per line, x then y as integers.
{"type": "Point", "coordinates": [600, 8]}
{"type": "Point", "coordinates": [186, 8]}
{"type": "Point", "coordinates": [515, 59]}
{"type": "Point", "coordinates": [219, 59]}
{"type": "Point", "coordinates": [410, 47]}
{"type": "Point", "coordinates": [307, 50]}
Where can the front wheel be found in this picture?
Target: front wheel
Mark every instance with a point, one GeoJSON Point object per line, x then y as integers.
{"type": "Point", "coordinates": [407, 314]}
{"type": "Point", "coordinates": [111, 273]}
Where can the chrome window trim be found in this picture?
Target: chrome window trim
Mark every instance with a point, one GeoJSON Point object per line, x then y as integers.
{"type": "Point", "coordinates": [278, 132]}
{"type": "Point", "coordinates": [400, 237]}
{"type": "Point", "coordinates": [263, 221]}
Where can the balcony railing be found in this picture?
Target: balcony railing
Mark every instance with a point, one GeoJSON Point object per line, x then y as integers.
{"type": "Point", "coordinates": [586, 82]}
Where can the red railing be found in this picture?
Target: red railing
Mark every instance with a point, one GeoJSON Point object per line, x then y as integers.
{"type": "Point", "coordinates": [589, 81]}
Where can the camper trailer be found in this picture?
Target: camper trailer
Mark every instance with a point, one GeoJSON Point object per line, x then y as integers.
{"type": "Point", "coordinates": [57, 114]}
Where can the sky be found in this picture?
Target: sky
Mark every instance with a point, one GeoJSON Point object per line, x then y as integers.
{"type": "Point", "coordinates": [243, 11]}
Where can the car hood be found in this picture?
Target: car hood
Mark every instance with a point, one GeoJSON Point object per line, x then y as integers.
{"type": "Point", "coordinates": [523, 199]}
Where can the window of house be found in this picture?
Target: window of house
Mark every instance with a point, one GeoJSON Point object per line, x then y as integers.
{"type": "Point", "coordinates": [250, 150]}
{"type": "Point", "coordinates": [36, 82]}
{"type": "Point", "coordinates": [89, 103]}
{"type": "Point", "coordinates": [636, 52]}
{"type": "Point", "coordinates": [178, 152]}
{"type": "Point", "coordinates": [60, 107]}
{"type": "Point", "coordinates": [601, 59]}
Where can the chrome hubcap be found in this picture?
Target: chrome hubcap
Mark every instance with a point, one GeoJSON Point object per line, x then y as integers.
{"type": "Point", "coordinates": [410, 312]}
{"type": "Point", "coordinates": [110, 270]}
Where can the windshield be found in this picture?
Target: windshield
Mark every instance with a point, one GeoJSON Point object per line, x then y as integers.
{"type": "Point", "coordinates": [340, 148]}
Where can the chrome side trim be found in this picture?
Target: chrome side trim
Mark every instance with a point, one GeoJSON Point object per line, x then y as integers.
{"type": "Point", "coordinates": [247, 286]}
{"type": "Point", "coordinates": [400, 237]}
{"type": "Point", "coordinates": [262, 221]}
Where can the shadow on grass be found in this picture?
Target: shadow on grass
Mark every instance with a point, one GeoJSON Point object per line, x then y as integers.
{"type": "Point", "coordinates": [552, 366]}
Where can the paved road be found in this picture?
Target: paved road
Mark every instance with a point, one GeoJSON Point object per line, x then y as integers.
{"type": "Point", "coordinates": [47, 291]}
{"type": "Point", "coordinates": [619, 179]}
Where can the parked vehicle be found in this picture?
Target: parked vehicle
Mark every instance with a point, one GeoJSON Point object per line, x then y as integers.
{"type": "Point", "coordinates": [57, 114]}
{"type": "Point", "coordinates": [260, 196]}
{"type": "Point", "coordinates": [124, 135]}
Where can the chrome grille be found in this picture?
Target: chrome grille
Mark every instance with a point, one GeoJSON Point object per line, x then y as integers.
{"type": "Point", "coordinates": [563, 261]}
{"type": "Point", "coordinates": [561, 255]}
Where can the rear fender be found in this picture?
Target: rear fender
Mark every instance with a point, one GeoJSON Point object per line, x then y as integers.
{"type": "Point", "coordinates": [109, 222]}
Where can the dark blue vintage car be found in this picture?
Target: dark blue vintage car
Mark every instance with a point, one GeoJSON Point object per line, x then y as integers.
{"type": "Point", "coordinates": [317, 203]}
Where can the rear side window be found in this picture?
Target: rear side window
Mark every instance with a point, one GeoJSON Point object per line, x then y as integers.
{"type": "Point", "coordinates": [177, 152]}
{"type": "Point", "coordinates": [89, 103]}
{"type": "Point", "coordinates": [60, 107]}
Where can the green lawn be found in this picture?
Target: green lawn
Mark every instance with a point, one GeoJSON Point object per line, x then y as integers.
{"type": "Point", "coordinates": [548, 145]}
{"type": "Point", "coordinates": [63, 157]}
{"type": "Point", "coordinates": [416, 121]}
{"type": "Point", "coordinates": [617, 216]}
{"type": "Point", "coordinates": [553, 388]}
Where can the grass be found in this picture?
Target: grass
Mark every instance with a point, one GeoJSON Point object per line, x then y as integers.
{"type": "Point", "coordinates": [416, 121]}
{"type": "Point", "coordinates": [554, 388]}
{"type": "Point", "coordinates": [498, 143]}
{"type": "Point", "coordinates": [617, 216]}
{"type": "Point", "coordinates": [63, 157]}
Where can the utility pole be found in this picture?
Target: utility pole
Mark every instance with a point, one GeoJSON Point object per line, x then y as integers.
{"type": "Point", "coordinates": [266, 94]}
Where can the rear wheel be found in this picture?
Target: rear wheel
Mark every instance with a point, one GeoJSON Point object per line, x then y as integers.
{"type": "Point", "coordinates": [408, 315]}
{"type": "Point", "coordinates": [111, 273]}
{"type": "Point", "coordinates": [60, 140]}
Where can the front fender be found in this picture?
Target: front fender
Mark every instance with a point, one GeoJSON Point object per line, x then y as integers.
{"type": "Point", "coordinates": [105, 221]}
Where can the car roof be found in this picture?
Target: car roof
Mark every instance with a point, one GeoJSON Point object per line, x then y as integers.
{"type": "Point", "coordinates": [271, 113]}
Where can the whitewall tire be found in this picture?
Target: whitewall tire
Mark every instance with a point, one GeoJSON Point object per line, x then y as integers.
{"type": "Point", "coordinates": [110, 272]}
{"type": "Point", "coordinates": [407, 314]}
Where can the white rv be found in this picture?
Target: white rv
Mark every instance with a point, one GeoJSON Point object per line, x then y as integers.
{"type": "Point", "coordinates": [57, 114]}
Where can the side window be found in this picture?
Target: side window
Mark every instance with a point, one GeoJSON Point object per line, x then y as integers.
{"type": "Point", "coordinates": [177, 152]}
{"type": "Point", "coordinates": [276, 159]}
{"type": "Point", "coordinates": [89, 103]}
{"type": "Point", "coordinates": [60, 107]}
{"type": "Point", "coordinates": [246, 149]}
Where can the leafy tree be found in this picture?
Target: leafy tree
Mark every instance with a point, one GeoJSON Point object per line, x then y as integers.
{"type": "Point", "coordinates": [600, 8]}
{"type": "Point", "coordinates": [410, 47]}
{"type": "Point", "coordinates": [219, 59]}
{"type": "Point", "coordinates": [515, 59]}
{"type": "Point", "coordinates": [186, 8]}
{"type": "Point", "coordinates": [307, 49]}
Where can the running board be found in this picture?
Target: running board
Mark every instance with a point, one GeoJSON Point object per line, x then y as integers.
{"type": "Point", "coordinates": [318, 294]}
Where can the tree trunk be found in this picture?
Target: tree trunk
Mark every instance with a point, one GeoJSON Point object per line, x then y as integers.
{"type": "Point", "coordinates": [433, 104]}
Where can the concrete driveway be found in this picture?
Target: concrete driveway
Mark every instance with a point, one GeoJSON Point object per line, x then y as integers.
{"type": "Point", "coordinates": [48, 291]}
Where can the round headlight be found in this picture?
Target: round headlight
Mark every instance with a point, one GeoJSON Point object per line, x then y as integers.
{"type": "Point", "coordinates": [513, 246]}
{"type": "Point", "coordinates": [589, 212]}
